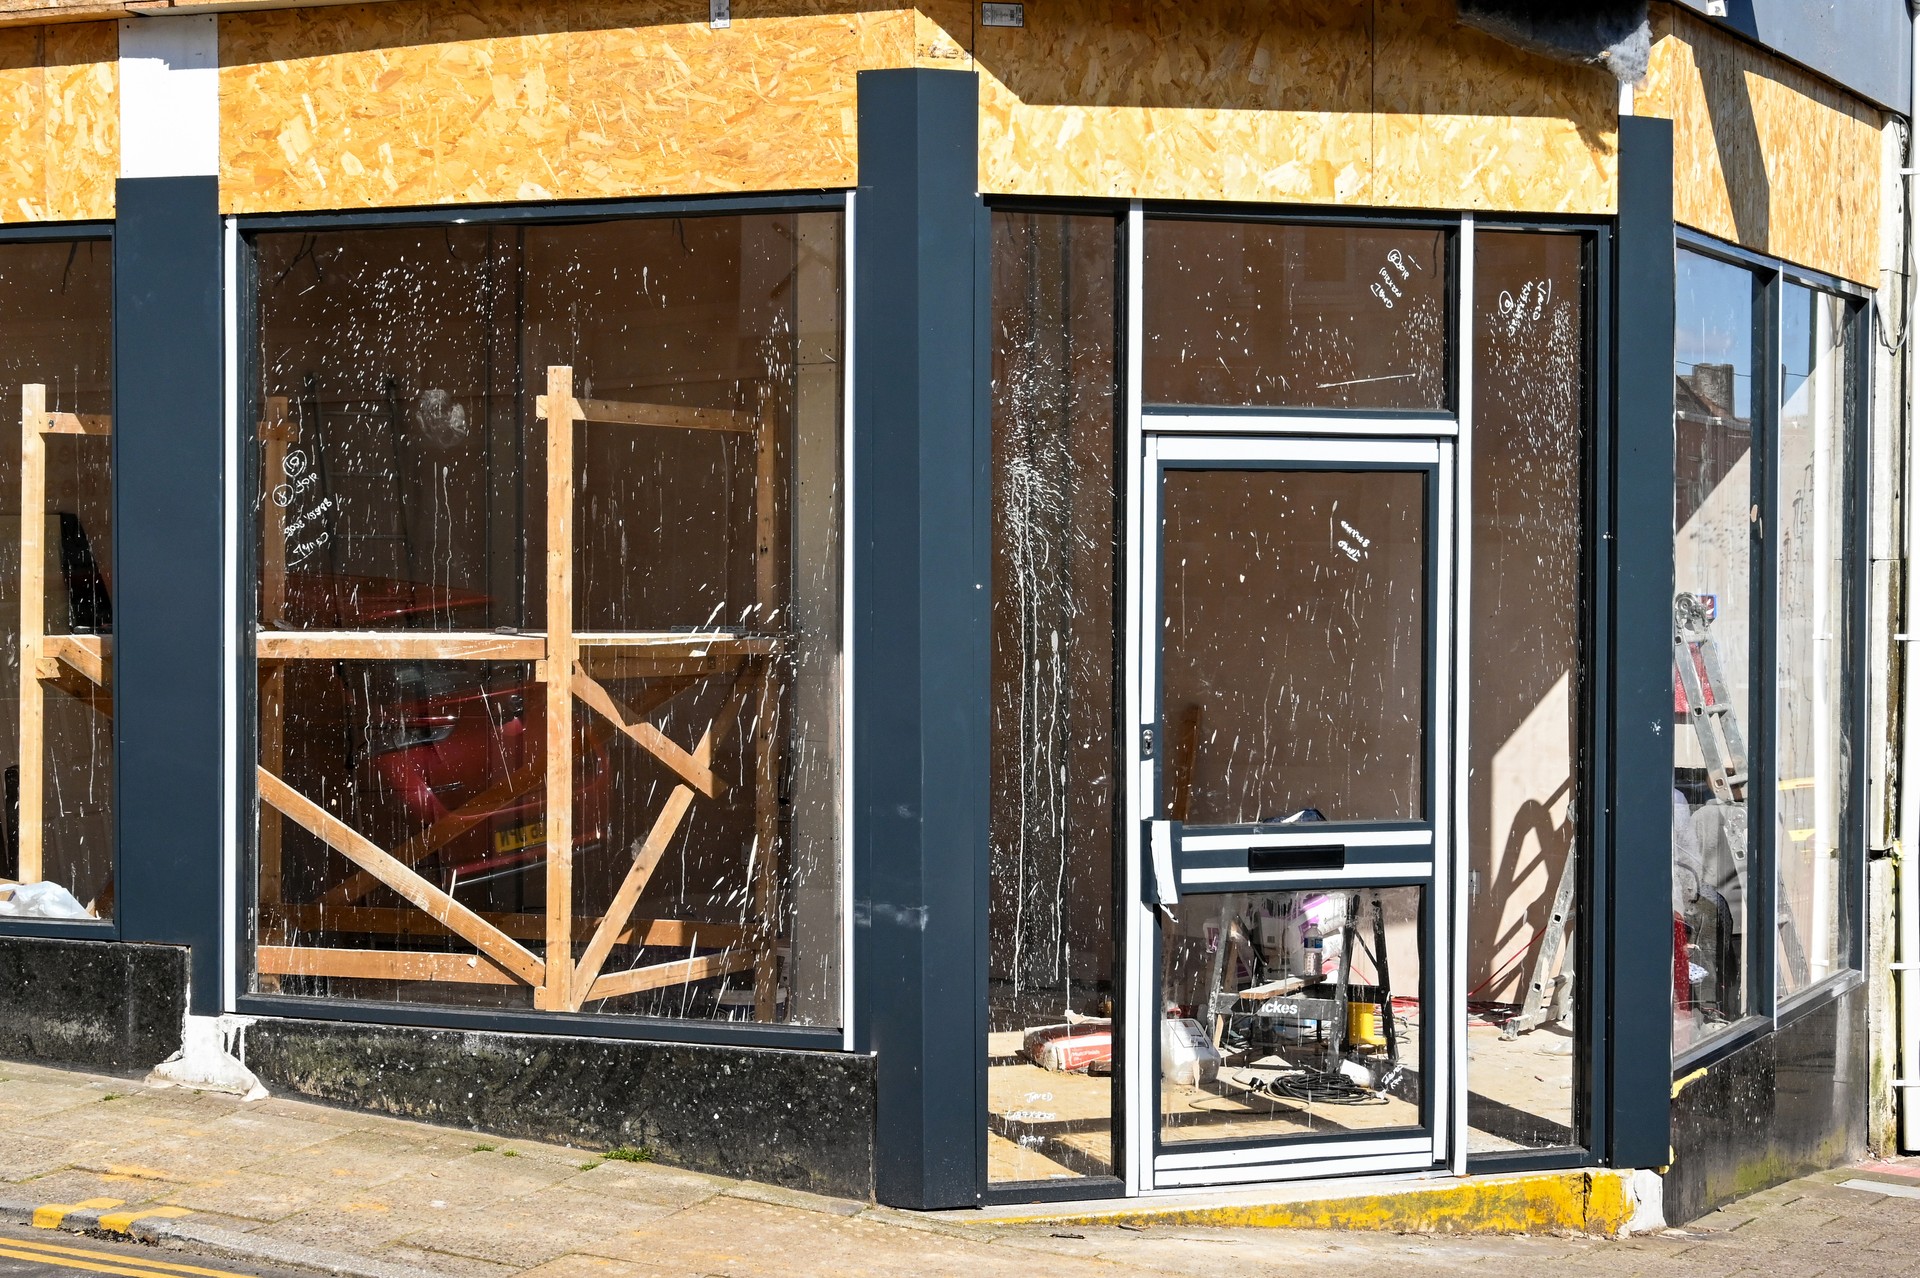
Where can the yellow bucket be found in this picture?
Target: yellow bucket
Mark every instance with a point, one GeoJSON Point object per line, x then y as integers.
{"type": "Point", "coordinates": [1363, 1025]}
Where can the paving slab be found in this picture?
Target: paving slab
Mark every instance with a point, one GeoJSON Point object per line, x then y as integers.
{"type": "Point", "coordinates": [370, 1196]}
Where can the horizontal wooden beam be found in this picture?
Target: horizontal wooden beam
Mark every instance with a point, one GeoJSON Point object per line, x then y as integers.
{"type": "Point", "coordinates": [380, 965]}
{"type": "Point", "coordinates": [377, 861]}
{"type": "Point", "coordinates": [680, 643]}
{"type": "Point", "coordinates": [674, 416]}
{"type": "Point", "coordinates": [98, 425]}
{"type": "Point", "coordinates": [396, 645]}
{"type": "Point", "coordinates": [485, 645]}
{"type": "Point", "coordinates": [662, 975]}
{"type": "Point", "coordinates": [383, 920]}
{"type": "Point", "coordinates": [90, 655]}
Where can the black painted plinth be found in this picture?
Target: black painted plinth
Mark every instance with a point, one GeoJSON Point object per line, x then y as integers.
{"type": "Point", "coordinates": [801, 1119]}
{"type": "Point", "coordinates": [99, 1005]}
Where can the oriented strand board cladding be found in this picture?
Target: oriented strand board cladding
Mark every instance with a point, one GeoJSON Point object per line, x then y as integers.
{"type": "Point", "coordinates": [1354, 102]}
{"type": "Point", "coordinates": [59, 107]}
{"type": "Point", "coordinates": [83, 119]}
{"type": "Point", "coordinates": [943, 34]}
{"type": "Point", "coordinates": [1212, 100]}
{"type": "Point", "coordinates": [486, 100]}
{"type": "Point", "coordinates": [1765, 154]}
{"type": "Point", "coordinates": [1467, 121]}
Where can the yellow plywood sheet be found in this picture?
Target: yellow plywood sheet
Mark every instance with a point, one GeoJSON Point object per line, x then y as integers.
{"type": "Point", "coordinates": [1209, 100]}
{"type": "Point", "coordinates": [1764, 154]}
{"type": "Point", "coordinates": [1468, 121]}
{"type": "Point", "coordinates": [1391, 103]}
{"type": "Point", "coordinates": [23, 161]}
{"type": "Point", "coordinates": [943, 34]}
{"type": "Point", "coordinates": [60, 111]}
{"type": "Point", "coordinates": [83, 119]}
{"type": "Point", "coordinates": [486, 100]}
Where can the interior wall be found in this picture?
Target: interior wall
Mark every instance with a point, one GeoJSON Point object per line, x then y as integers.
{"type": "Point", "coordinates": [60, 111]}
{"type": "Point", "coordinates": [1766, 155]}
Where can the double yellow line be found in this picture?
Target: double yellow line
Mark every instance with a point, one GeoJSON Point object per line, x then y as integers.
{"type": "Point", "coordinates": [96, 1261]}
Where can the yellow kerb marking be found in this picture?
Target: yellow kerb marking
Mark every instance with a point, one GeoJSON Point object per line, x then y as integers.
{"type": "Point", "coordinates": [48, 1250]}
{"type": "Point", "coordinates": [50, 1216]}
{"type": "Point", "coordinates": [121, 1221]}
{"type": "Point", "coordinates": [127, 1269]}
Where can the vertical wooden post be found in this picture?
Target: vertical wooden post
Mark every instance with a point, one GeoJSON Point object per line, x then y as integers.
{"type": "Point", "coordinates": [33, 603]}
{"type": "Point", "coordinates": [557, 672]}
{"type": "Point", "coordinates": [277, 432]}
{"type": "Point", "coordinates": [770, 616]}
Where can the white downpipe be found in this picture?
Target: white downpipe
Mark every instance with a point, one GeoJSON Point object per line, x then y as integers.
{"type": "Point", "coordinates": [1907, 895]}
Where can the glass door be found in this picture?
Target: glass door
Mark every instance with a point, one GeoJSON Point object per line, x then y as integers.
{"type": "Point", "coordinates": [1295, 778]}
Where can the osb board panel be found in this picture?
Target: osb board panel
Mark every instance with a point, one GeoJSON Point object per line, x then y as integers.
{"type": "Point", "coordinates": [482, 100]}
{"type": "Point", "coordinates": [1210, 100]}
{"type": "Point", "coordinates": [59, 107]}
{"type": "Point", "coordinates": [943, 34]}
{"type": "Point", "coordinates": [1347, 102]}
{"type": "Point", "coordinates": [1764, 154]}
{"type": "Point", "coordinates": [1467, 121]}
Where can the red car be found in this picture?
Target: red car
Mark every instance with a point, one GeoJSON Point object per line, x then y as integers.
{"type": "Point", "coordinates": [449, 737]}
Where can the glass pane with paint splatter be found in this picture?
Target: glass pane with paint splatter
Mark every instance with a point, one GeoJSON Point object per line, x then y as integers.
{"type": "Point", "coordinates": [1257, 314]}
{"type": "Point", "coordinates": [56, 623]}
{"type": "Point", "coordinates": [550, 718]}
{"type": "Point", "coordinates": [1295, 644]}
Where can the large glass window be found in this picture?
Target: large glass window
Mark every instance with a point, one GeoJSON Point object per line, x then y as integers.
{"type": "Point", "coordinates": [1713, 532]}
{"type": "Point", "coordinates": [1813, 759]}
{"type": "Point", "coordinates": [1764, 769]}
{"type": "Point", "coordinates": [56, 486]}
{"type": "Point", "coordinates": [1524, 838]}
{"type": "Point", "coordinates": [548, 560]}
{"type": "Point", "coordinates": [1055, 643]}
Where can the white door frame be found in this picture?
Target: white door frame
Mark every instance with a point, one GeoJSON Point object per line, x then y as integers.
{"type": "Point", "coordinates": [1142, 1171]}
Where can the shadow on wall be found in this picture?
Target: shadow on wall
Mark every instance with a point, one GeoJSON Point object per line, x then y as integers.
{"type": "Point", "coordinates": [1383, 57]}
{"type": "Point", "coordinates": [1736, 137]}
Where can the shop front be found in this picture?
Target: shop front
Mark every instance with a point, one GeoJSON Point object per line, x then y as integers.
{"type": "Point", "coordinates": [959, 607]}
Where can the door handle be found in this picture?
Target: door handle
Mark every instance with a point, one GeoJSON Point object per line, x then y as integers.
{"type": "Point", "coordinates": [1163, 839]}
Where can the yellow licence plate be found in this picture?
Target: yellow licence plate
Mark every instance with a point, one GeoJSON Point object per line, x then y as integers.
{"type": "Point", "coordinates": [521, 836]}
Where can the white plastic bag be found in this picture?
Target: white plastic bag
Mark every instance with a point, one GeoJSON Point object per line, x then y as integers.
{"type": "Point", "coordinates": [40, 901]}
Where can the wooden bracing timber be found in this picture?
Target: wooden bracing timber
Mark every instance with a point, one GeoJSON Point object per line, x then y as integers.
{"type": "Point", "coordinates": [79, 665]}
{"type": "Point", "coordinates": [574, 666]}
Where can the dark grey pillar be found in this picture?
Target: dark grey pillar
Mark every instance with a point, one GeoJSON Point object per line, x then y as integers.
{"type": "Point", "coordinates": [169, 578]}
{"type": "Point", "coordinates": [921, 631]}
{"type": "Point", "coordinates": [1637, 1049]}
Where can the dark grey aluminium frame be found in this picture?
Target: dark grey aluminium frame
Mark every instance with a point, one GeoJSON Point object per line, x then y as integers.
{"type": "Point", "coordinates": [569, 1024]}
{"type": "Point", "coordinates": [1767, 1011]}
{"type": "Point", "coordinates": [107, 929]}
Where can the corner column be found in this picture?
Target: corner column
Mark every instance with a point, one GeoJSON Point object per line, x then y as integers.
{"type": "Point", "coordinates": [921, 630]}
{"type": "Point", "coordinates": [1639, 1051]}
{"type": "Point", "coordinates": [170, 512]}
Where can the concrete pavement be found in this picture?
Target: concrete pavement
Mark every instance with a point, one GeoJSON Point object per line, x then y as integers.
{"type": "Point", "coordinates": [295, 1185]}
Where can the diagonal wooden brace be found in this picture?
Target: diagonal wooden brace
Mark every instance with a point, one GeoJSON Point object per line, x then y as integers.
{"type": "Point", "coordinates": [614, 921]}
{"type": "Point", "coordinates": [375, 860]}
{"type": "Point", "coordinates": [693, 767]}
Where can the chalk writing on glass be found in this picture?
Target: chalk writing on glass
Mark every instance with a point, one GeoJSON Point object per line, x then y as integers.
{"type": "Point", "coordinates": [303, 530]}
{"type": "Point", "coordinates": [1527, 307]}
{"type": "Point", "coordinates": [1399, 267]}
{"type": "Point", "coordinates": [1354, 545]}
